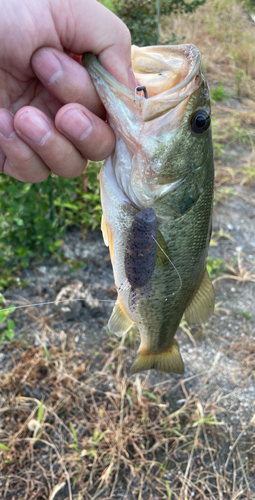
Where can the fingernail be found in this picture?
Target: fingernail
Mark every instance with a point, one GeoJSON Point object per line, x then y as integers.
{"type": "Point", "coordinates": [7, 129]}
{"type": "Point", "coordinates": [47, 66]}
{"type": "Point", "coordinates": [131, 79]}
{"type": "Point", "coordinates": [75, 124]}
{"type": "Point", "coordinates": [34, 127]}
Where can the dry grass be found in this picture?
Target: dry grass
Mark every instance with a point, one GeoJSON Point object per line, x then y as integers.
{"type": "Point", "coordinates": [240, 271]}
{"type": "Point", "coordinates": [225, 35]}
{"type": "Point", "coordinates": [246, 352]}
{"type": "Point", "coordinates": [108, 436]}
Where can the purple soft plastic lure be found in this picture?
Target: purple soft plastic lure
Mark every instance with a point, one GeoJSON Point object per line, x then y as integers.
{"type": "Point", "coordinates": [140, 255]}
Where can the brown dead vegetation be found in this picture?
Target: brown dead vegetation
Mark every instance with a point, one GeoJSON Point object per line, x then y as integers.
{"type": "Point", "coordinates": [94, 436]}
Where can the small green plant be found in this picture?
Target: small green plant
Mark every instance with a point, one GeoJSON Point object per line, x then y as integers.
{"type": "Point", "coordinates": [40, 413]}
{"type": "Point", "coordinates": [8, 332]}
{"type": "Point", "coordinates": [75, 443]}
{"type": "Point", "coordinates": [214, 267]}
{"type": "Point", "coordinates": [3, 447]}
{"type": "Point", "coordinates": [208, 420]}
{"type": "Point", "coordinates": [219, 93]}
{"type": "Point", "coordinates": [247, 314]}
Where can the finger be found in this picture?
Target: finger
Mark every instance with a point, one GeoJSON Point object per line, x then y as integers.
{"type": "Point", "coordinates": [96, 29]}
{"type": "Point", "coordinates": [17, 159]}
{"type": "Point", "coordinates": [92, 136]}
{"type": "Point", "coordinates": [66, 79]}
{"type": "Point", "coordinates": [56, 150]}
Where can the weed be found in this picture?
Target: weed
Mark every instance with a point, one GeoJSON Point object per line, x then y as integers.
{"type": "Point", "coordinates": [247, 314]}
{"type": "Point", "coordinates": [75, 445]}
{"type": "Point", "coordinates": [6, 325]}
{"type": "Point", "coordinates": [3, 447]}
{"type": "Point", "coordinates": [40, 413]}
{"type": "Point", "coordinates": [26, 232]}
{"type": "Point", "coordinates": [214, 267]}
{"type": "Point", "coordinates": [219, 93]}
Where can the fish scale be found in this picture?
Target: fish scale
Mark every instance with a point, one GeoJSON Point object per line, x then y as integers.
{"type": "Point", "coordinates": [163, 161]}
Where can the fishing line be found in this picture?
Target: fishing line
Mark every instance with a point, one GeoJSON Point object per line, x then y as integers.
{"type": "Point", "coordinates": [179, 276]}
{"type": "Point", "coordinates": [123, 287]}
{"type": "Point", "coordinates": [53, 302]}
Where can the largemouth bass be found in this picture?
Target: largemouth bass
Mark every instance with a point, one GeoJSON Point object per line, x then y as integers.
{"type": "Point", "coordinates": [157, 193]}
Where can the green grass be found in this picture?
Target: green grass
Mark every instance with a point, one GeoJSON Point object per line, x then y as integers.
{"type": "Point", "coordinates": [34, 217]}
{"type": "Point", "coordinates": [6, 324]}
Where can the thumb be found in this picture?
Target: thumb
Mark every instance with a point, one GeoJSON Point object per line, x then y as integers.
{"type": "Point", "coordinates": [96, 29]}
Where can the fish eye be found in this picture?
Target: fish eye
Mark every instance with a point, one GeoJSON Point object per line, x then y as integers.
{"type": "Point", "coordinates": [200, 121]}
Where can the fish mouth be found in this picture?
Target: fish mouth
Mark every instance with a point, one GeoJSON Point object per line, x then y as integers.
{"type": "Point", "coordinates": [169, 74]}
{"type": "Point", "coordinates": [164, 68]}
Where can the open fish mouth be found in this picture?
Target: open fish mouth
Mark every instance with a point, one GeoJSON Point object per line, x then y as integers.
{"type": "Point", "coordinates": [169, 74]}
{"type": "Point", "coordinates": [149, 124]}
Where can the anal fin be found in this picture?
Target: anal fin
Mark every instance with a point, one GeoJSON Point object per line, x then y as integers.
{"type": "Point", "coordinates": [119, 323]}
{"type": "Point", "coordinates": [202, 305]}
{"type": "Point", "coordinates": [168, 361]}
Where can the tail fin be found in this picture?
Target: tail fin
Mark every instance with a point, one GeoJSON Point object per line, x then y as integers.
{"type": "Point", "coordinates": [169, 361]}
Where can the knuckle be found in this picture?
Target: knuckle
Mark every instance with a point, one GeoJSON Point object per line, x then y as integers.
{"type": "Point", "coordinates": [68, 162]}
{"type": "Point", "coordinates": [25, 158]}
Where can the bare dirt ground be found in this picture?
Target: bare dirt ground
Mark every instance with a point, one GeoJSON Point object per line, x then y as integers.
{"type": "Point", "coordinates": [74, 424]}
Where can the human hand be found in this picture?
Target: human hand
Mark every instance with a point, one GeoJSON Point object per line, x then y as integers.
{"type": "Point", "coordinates": [50, 115]}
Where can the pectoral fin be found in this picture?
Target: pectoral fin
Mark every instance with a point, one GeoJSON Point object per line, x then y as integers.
{"type": "Point", "coordinates": [119, 323]}
{"type": "Point", "coordinates": [168, 361]}
{"type": "Point", "coordinates": [107, 236]}
{"type": "Point", "coordinates": [202, 305]}
{"type": "Point", "coordinates": [162, 260]}
{"type": "Point", "coordinates": [104, 231]}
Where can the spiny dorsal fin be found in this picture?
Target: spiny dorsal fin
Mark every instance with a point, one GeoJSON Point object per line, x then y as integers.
{"type": "Point", "coordinates": [168, 361]}
{"type": "Point", "coordinates": [119, 323]}
{"type": "Point", "coordinates": [202, 305]}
